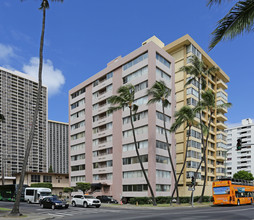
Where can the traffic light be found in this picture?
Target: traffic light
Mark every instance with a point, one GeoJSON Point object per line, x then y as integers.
{"type": "Point", "coordinates": [192, 181]}
{"type": "Point", "coordinates": [239, 144]}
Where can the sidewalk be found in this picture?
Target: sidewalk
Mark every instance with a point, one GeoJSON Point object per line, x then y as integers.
{"type": "Point", "coordinates": [26, 216]}
{"type": "Point", "coordinates": [159, 206]}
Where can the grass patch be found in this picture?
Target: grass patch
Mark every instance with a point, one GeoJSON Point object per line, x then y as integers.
{"type": "Point", "coordinates": [4, 209]}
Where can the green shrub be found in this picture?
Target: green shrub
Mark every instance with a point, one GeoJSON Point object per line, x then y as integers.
{"type": "Point", "coordinates": [140, 200]}
{"type": "Point", "coordinates": [43, 185]}
{"type": "Point", "coordinates": [166, 200]}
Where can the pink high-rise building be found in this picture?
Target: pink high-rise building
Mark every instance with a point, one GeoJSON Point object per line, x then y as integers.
{"type": "Point", "coordinates": [101, 149]}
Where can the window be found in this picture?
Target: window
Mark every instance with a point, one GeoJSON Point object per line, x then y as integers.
{"type": "Point", "coordinates": [78, 179]}
{"type": "Point", "coordinates": [79, 92]}
{"type": "Point", "coordinates": [192, 91]}
{"type": "Point", "coordinates": [77, 136]}
{"type": "Point", "coordinates": [192, 164]}
{"type": "Point", "coordinates": [136, 117]}
{"type": "Point", "coordinates": [47, 179]}
{"type": "Point", "coordinates": [133, 174]}
{"type": "Point", "coordinates": [135, 61]}
{"type": "Point", "coordinates": [194, 133]}
{"type": "Point", "coordinates": [162, 174]}
{"type": "Point", "coordinates": [77, 114]}
{"type": "Point", "coordinates": [192, 101]}
{"type": "Point", "coordinates": [78, 167]}
{"type": "Point", "coordinates": [160, 116]}
{"type": "Point", "coordinates": [134, 75]}
{"type": "Point", "coordinates": [162, 188]}
{"type": "Point", "coordinates": [162, 60]}
{"type": "Point", "coordinates": [191, 49]}
{"type": "Point", "coordinates": [193, 154]}
{"type": "Point", "coordinates": [138, 131]}
{"type": "Point", "coordinates": [78, 103]}
{"type": "Point", "coordinates": [161, 145]}
{"type": "Point", "coordinates": [132, 160]}
{"type": "Point", "coordinates": [78, 147]}
{"type": "Point", "coordinates": [162, 74]}
{"type": "Point", "coordinates": [78, 125]}
{"type": "Point", "coordinates": [135, 188]}
{"type": "Point", "coordinates": [29, 192]}
{"type": "Point", "coordinates": [162, 159]}
{"type": "Point", "coordinates": [35, 178]}
{"type": "Point", "coordinates": [131, 147]}
{"type": "Point", "coordinates": [78, 157]}
{"type": "Point", "coordinates": [160, 130]}
{"type": "Point", "coordinates": [141, 86]}
{"type": "Point", "coordinates": [194, 144]}
{"type": "Point", "coordinates": [191, 174]}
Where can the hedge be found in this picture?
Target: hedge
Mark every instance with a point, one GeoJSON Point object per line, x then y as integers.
{"type": "Point", "coordinates": [166, 200]}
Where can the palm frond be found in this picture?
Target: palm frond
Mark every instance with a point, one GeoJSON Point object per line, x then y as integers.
{"type": "Point", "coordinates": [210, 3]}
{"type": "Point", "coordinates": [240, 18]}
{"type": "Point", "coordinates": [184, 115]}
{"type": "Point", "coordinates": [158, 92]}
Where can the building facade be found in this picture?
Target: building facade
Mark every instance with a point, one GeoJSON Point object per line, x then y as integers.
{"type": "Point", "coordinates": [58, 144]}
{"type": "Point", "coordinates": [182, 49]}
{"type": "Point", "coordinates": [17, 104]}
{"type": "Point", "coordinates": [58, 180]}
{"type": "Point", "coordinates": [101, 144]}
{"type": "Point", "coordinates": [241, 159]}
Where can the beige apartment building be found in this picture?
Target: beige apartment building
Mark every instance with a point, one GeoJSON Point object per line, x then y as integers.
{"type": "Point", "coordinates": [58, 180]}
{"type": "Point", "coordinates": [101, 149]}
{"type": "Point", "coordinates": [182, 49]}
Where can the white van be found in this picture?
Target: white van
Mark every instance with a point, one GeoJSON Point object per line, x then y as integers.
{"type": "Point", "coordinates": [34, 195]}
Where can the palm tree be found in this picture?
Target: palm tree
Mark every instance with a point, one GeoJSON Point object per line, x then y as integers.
{"type": "Point", "coordinates": [208, 102]}
{"type": "Point", "coordinates": [185, 115]}
{"type": "Point", "coordinates": [15, 209]}
{"type": "Point", "coordinates": [159, 92]}
{"type": "Point", "coordinates": [238, 20]}
{"type": "Point", "coordinates": [126, 98]}
{"type": "Point", "coordinates": [2, 119]}
{"type": "Point", "coordinates": [198, 71]}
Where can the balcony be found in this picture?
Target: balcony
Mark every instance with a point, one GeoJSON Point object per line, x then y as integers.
{"type": "Point", "coordinates": [221, 125]}
{"type": "Point", "coordinates": [221, 84]}
{"type": "Point", "coordinates": [221, 117]}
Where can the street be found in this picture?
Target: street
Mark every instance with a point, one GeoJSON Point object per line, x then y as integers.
{"type": "Point", "coordinates": [126, 212]}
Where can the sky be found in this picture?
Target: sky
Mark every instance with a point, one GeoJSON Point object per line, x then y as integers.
{"type": "Point", "coordinates": [82, 36]}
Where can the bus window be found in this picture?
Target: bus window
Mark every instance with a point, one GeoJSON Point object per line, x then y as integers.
{"type": "Point", "coordinates": [29, 192]}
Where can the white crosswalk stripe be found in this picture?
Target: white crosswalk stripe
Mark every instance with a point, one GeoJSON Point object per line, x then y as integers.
{"type": "Point", "coordinates": [76, 211]}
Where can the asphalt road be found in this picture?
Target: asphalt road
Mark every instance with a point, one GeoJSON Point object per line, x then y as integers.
{"type": "Point", "coordinates": [137, 213]}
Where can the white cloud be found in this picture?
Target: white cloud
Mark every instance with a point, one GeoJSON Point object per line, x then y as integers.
{"type": "Point", "coordinates": [51, 77]}
{"type": "Point", "coordinates": [6, 52]}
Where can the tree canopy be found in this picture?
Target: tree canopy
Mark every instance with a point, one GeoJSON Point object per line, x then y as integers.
{"type": "Point", "coordinates": [84, 187]}
{"type": "Point", "coordinates": [243, 175]}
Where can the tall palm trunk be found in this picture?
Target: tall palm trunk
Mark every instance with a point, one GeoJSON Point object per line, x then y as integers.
{"type": "Point", "coordinates": [139, 159]}
{"type": "Point", "coordinates": [15, 209]}
{"type": "Point", "coordinates": [169, 154]}
{"type": "Point", "coordinates": [204, 159]}
{"type": "Point", "coordinates": [201, 130]}
{"type": "Point", "coordinates": [185, 158]}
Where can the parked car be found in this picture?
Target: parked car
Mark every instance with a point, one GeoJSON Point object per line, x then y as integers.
{"type": "Point", "coordinates": [53, 203]}
{"type": "Point", "coordinates": [85, 201]}
{"type": "Point", "coordinates": [107, 199]}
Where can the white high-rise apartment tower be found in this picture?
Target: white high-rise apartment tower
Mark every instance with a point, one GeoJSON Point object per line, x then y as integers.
{"type": "Point", "coordinates": [58, 146]}
{"type": "Point", "coordinates": [17, 104]}
{"type": "Point", "coordinates": [240, 159]}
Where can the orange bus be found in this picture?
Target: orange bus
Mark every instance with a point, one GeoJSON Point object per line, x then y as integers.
{"type": "Point", "coordinates": [234, 192]}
